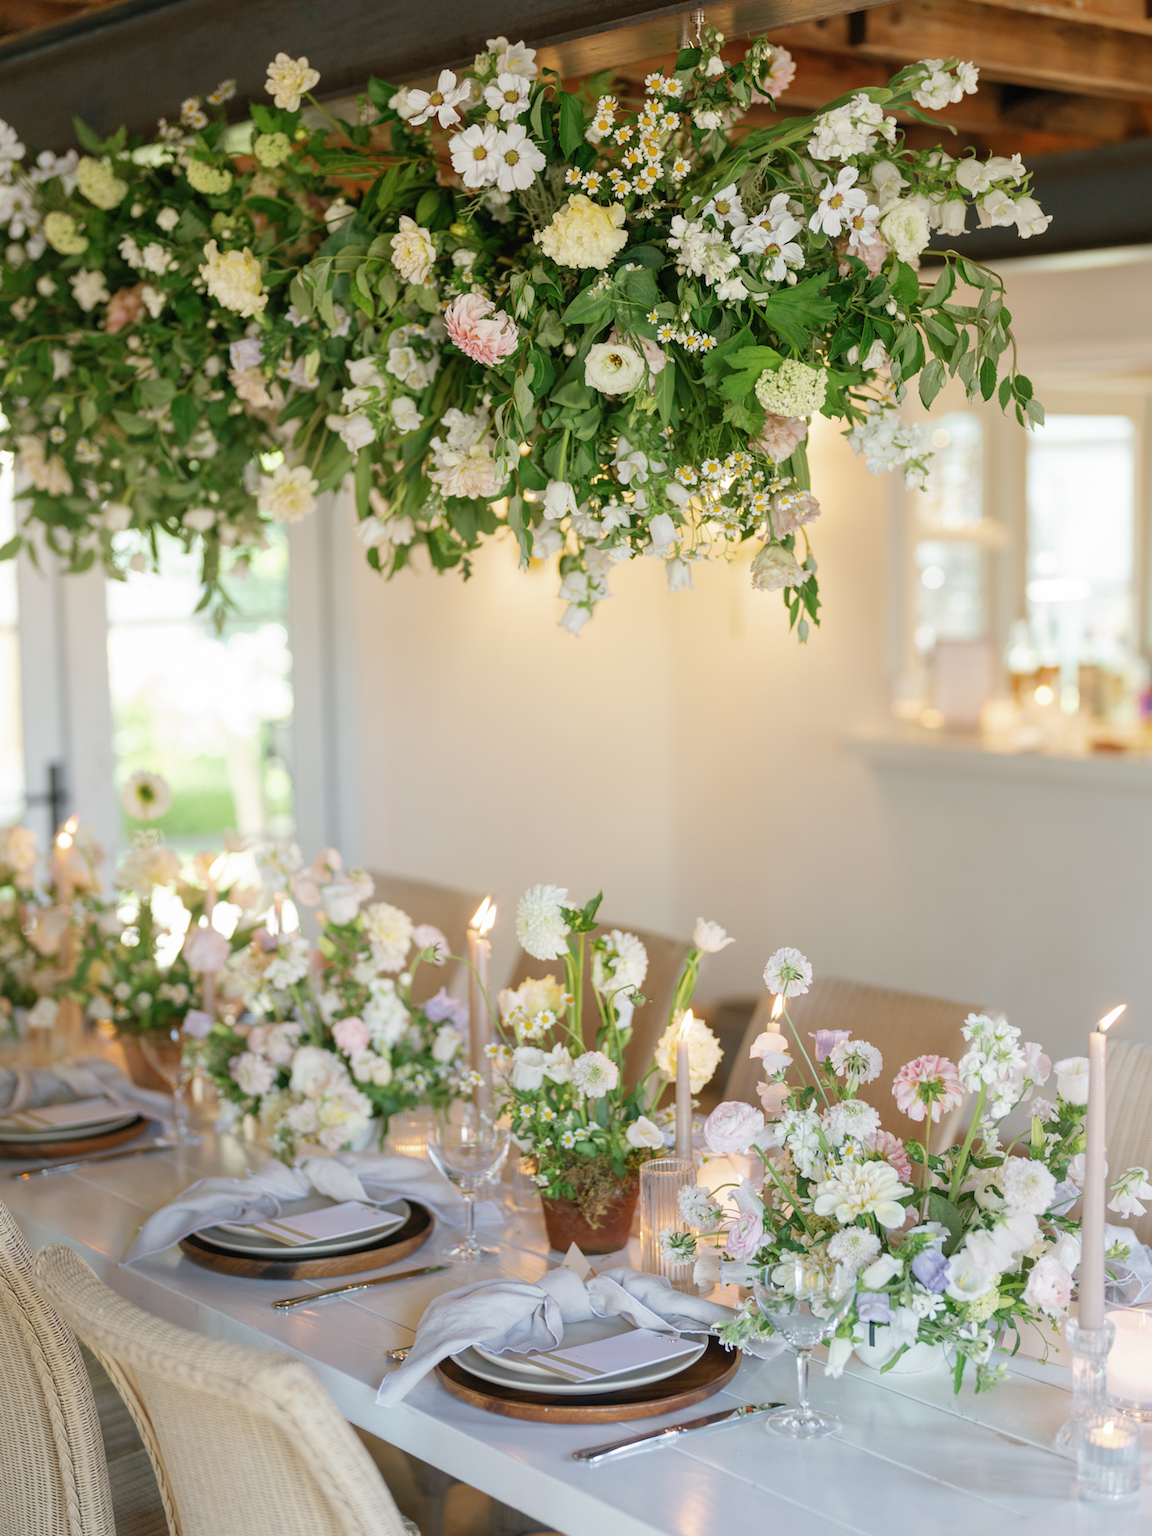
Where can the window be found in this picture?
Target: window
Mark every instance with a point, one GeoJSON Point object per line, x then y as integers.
{"type": "Point", "coordinates": [210, 712]}
{"type": "Point", "coordinates": [11, 724]}
{"type": "Point", "coordinates": [950, 599]}
{"type": "Point", "coordinates": [1081, 527]}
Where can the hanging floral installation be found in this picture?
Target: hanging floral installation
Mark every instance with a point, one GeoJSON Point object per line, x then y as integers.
{"type": "Point", "coordinates": [597, 329]}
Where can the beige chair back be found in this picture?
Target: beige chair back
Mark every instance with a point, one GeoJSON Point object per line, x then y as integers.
{"type": "Point", "coordinates": [901, 1025]}
{"type": "Point", "coordinates": [666, 958]}
{"type": "Point", "coordinates": [1128, 1121]}
{"type": "Point", "coordinates": [53, 1476]}
{"type": "Point", "coordinates": [443, 907]}
{"type": "Point", "coordinates": [243, 1441]}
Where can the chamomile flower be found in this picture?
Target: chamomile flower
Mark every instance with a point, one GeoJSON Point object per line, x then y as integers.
{"type": "Point", "coordinates": [739, 462]}
{"type": "Point", "coordinates": [645, 181]}
{"type": "Point", "coordinates": [652, 149]}
{"type": "Point", "coordinates": [666, 333]}
{"type": "Point", "coordinates": [711, 469]}
{"type": "Point", "coordinates": [670, 122]}
{"type": "Point", "coordinates": [568, 1140]}
{"type": "Point", "coordinates": [605, 106]}
{"type": "Point", "coordinates": [652, 317]}
{"type": "Point", "coordinates": [672, 88]}
{"type": "Point", "coordinates": [654, 83]}
{"type": "Point", "coordinates": [679, 168]}
{"type": "Point", "coordinates": [633, 156]}
{"type": "Point", "coordinates": [686, 474]}
{"type": "Point", "coordinates": [572, 177]}
{"type": "Point", "coordinates": [592, 182]}
{"type": "Point", "coordinates": [622, 134]}
{"type": "Point", "coordinates": [706, 343]}
{"type": "Point", "coordinates": [622, 188]}
{"type": "Point", "coordinates": [615, 176]}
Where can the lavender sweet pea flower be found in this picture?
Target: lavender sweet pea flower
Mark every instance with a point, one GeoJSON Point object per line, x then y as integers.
{"type": "Point", "coordinates": [828, 1039]}
{"type": "Point", "coordinates": [932, 1270]}
{"type": "Point", "coordinates": [873, 1307]}
{"type": "Point", "coordinates": [442, 1007]}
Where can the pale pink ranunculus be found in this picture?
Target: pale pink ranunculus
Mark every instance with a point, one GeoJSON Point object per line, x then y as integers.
{"type": "Point", "coordinates": [483, 339]}
{"type": "Point", "coordinates": [772, 1096]}
{"type": "Point", "coordinates": [351, 1035]}
{"type": "Point", "coordinates": [732, 1127]}
{"type": "Point", "coordinates": [1049, 1287]}
{"type": "Point", "coordinates": [779, 437]}
{"type": "Point", "coordinates": [745, 1236]}
{"type": "Point", "coordinates": [653, 356]}
{"type": "Point", "coordinates": [124, 308]}
{"type": "Point", "coordinates": [892, 1150]}
{"type": "Point", "coordinates": [927, 1069]}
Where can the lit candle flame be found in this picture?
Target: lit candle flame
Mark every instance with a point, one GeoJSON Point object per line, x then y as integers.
{"type": "Point", "coordinates": [1110, 1018]}
{"type": "Point", "coordinates": [778, 1006]}
{"type": "Point", "coordinates": [67, 832]}
{"type": "Point", "coordinates": [686, 1024]}
{"type": "Point", "coordinates": [484, 917]}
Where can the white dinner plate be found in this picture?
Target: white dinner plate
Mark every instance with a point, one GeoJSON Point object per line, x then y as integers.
{"type": "Point", "coordinates": [502, 1371]}
{"type": "Point", "coordinates": [254, 1245]}
{"type": "Point", "coordinates": [116, 1121]}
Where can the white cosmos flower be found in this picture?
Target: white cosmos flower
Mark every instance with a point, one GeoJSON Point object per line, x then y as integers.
{"type": "Point", "coordinates": [146, 797]}
{"type": "Point", "coordinates": [540, 924]}
{"type": "Point", "coordinates": [838, 201]}
{"type": "Point", "coordinates": [710, 938]}
{"type": "Point", "coordinates": [440, 102]}
{"type": "Point", "coordinates": [517, 159]}
{"type": "Point", "coordinates": [508, 96]}
{"type": "Point", "coordinates": [474, 155]}
{"type": "Point", "coordinates": [595, 1074]}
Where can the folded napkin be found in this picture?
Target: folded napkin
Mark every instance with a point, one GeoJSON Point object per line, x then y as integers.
{"type": "Point", "coordinates": [89, 1077]}
{"type": "Point", "coordinates": [515, 1314]}
{"type": "Point", "coordinates": [262, 1195]}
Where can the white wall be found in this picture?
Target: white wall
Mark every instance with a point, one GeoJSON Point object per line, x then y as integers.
{"type": "Point", "coordinates": [688, 755]}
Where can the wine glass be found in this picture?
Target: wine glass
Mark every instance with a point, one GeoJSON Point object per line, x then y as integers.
{"type": "Point", "coordinates": [805, 1306]}
{"type": "Point", "coordinates": [163, 1050]}
{"type": "Point", "coordinates": [466, 1155]}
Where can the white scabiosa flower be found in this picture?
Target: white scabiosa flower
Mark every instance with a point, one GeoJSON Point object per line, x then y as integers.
{"type": "Point", "coordinates": [789, 972]}
{"type": "Point", "coordinates": [595, 1074]}
{"type": "Point", "coordinates": [540, 924]}
{"type": "Point", "coordinates": [854, 1248]}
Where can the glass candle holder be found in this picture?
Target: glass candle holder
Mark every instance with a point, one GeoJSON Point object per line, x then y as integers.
{"type": "Point", "coordinates": [661, 1181]}
{"type": "Point", "coordinates": [1089, 1348]}
{"type": "Point", "coordinates": [408, 1133]}
{"type": "Point", "coordinates": [1130, 1364]}
{"type": "Point", "coordinates": [1108, 1457]}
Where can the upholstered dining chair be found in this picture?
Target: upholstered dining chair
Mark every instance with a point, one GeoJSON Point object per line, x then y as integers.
{"type": "Point", "coordinates": [1128, 1120]}
{"type": "Point", "coordinates": [901, 1025]}
{"type": "Point", "coordinates": [666, 958]}
{"type": "Point", "coordinates": [242, 1440]}
{"type": "Point", "coordinates": [442, 906]}
{"type": "Point", "coordinates": [70, 1462]}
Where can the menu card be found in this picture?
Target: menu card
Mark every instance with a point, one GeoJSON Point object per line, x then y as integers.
{"type": "Point", "coordinates": [611, 1356]}
{"type": "Point", "coordinates": [344, 1220]}
{"type": "Point", "coordinates": [55, 1116]}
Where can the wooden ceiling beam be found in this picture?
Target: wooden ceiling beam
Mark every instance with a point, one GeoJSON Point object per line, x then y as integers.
{"type": "Point", "coordinates": [1083, 58]}
{"type": "Point", "coordinates": [1117, 15]}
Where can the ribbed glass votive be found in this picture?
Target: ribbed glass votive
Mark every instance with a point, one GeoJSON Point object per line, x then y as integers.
{"type": "Point", "coordinates": [1108, 1458]}
{"type": "Point", "coordinates": [661, 1181]}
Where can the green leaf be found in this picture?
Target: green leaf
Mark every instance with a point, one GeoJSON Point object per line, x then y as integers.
{"type": "Point", "coordinates": [665, 391]}
{"type": "Point", "coordinates": [13, 547]}
{"type": "Point", "coordinates": [156, 393]}
{"type": "Point", "coordinates": [796, 313]}
{"type": "Point", "coordinates": [185, 415]}
{"type": "Point", "coordinates": [987, 378]}
{"type": "Point", "coordinates": [641, 286]}
{"type": "Point", "coordinates": [942, 291]}
{"type": "Point", "coordinates": [932, 381]}
{"type": "Point", "coordinates": [525, 405]}
{"type": "Point", "coordinates": [263, 117]}
{"type": "Point", "coordinates": [906, 288]}
{"type": "Point", "coordinates": [589, 308]}
{"type": "Point", "coordinates": [427, 205]}
{"type": "Point", "coordinates": [135, 426]}
{"type": "Point", "coordinates": [573, 394]}
{"type": "Point", "coordinates": [941, 1209]}
{"type": "Point", "coordinates": [540, 120]}
{"type": "Point", "coordinates": [736, 385]}
{"type": "Point", "coordinates": [688, 58]}
{"type": "Point", "coordinates": [571, 124]}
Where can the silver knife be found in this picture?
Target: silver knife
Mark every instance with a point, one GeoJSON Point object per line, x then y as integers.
{"type": "Point", "coordinates": [98, 1157]}
{"type": "Point", "coordinates": [360, 1285]}
{"type": "Point", "coordinates": [595, 1453]}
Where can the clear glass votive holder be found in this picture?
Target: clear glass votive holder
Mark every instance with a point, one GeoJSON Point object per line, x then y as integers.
{"type": "Point", "coordinates": [1108, 1457]}
{"type": "Point", "coordinates": [1089, 1348]}
{"type": "Point", "coordinates": [661, 1180]}
{"type": "Point", "coordinates": [1130, 1363]}
{"type": "Point", "coordinates": [524, 1190]}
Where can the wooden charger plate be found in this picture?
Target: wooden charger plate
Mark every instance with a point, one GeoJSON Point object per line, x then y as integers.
{"type": "Point", "coordinates": [714, 1370]}
{"type": "Point", "coordinates": [375, 1255]}
{"type": "Point", "coordinates": [84, 1147]}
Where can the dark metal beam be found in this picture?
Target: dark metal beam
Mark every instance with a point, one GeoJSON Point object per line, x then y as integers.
{"type": "Point", "coordinates": [135, 61]}
{"type": "Point", "coordinates": [1097, 198]}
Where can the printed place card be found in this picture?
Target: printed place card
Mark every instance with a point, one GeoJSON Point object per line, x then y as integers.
{"type": "Point", "coordinates": [347, 1219]}
{"type": "Point", "coordinates": [610, 1357]}
{"type": "Point", "coordinates": [56, 1116]}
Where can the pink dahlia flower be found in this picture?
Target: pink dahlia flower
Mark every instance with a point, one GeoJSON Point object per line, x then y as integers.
{"type": "Point", "coordinates": [891, 1149]}
{"type": "Point", "coordinates": [483, 336]}
{"type": "Point", "coordinates": [929, 1080]}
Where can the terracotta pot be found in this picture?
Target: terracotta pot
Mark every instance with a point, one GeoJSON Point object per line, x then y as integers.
{"type": "Point", "coordinates": [566, 1223]}
{"type": "Point", "coordinates": [140, 1070]}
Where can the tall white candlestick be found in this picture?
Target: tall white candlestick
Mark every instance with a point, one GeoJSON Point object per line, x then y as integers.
{"type": "Point", "coordinates": [684, 1091]}
{"type": "Point", "coordinates": [480, 1025]}
{"type": "Point", "coordinates": [209, 985]}
{"type": "Point", "coordinates": [1092, 1209]}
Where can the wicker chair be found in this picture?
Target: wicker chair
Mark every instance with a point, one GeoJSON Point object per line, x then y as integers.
{"type": "Point", "coordinates": [901, 1025]}
{"type": "Point", "coordinates": [1128, 1121]}
{"type": "Point", "coordinates": [665, 960]}
{"type": "Point", "coordinates": [447, 909]}
{"type": "Point", "coordinates": [242, 1440]}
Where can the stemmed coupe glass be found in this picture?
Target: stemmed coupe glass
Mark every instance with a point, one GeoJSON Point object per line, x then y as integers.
{"type": "Point", "coordinates": [805, 1306]}
{"type": "Point", "coordinates": [164, 1052]}
{"type": "Point", "coordinates": [466, 1155]}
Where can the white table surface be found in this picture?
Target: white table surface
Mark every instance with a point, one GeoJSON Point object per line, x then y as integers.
{"type": "Point", "coordinates": [910, 1459]}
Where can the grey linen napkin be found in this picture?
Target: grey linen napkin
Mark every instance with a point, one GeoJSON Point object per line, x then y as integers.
{"type": "Point", "coordinates": [88, 1077]}
{"type": "Point", "coordinates": [262, 1195]}
{"type": "Point", "coordinates": [516, 1314]}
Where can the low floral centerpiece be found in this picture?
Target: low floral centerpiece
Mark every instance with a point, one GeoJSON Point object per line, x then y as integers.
{"type": "Point", "coordinates": [325, 1044]}
{"type": "Point", "coordinates": [561, 1067]}
{"type": "Point", "coordinates": [595, 326]}
{"type": "Point", "coordinates": [951, 1250]}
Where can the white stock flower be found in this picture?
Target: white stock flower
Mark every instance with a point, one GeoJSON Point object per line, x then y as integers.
{"type": "Point", "coordinates": [710, 938]}
{"type": "Point", "coordinates": [540, 925]}
{"type": "Point", "coordinates": [595, 1074]}
{"type": "Point", "coordinates": [852, 129]}
{"type": "Point", "coordinates": [697, 1206]}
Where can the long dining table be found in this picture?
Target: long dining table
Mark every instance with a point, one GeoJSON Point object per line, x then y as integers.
{"type": "Point", "coordinates": [909, 1458]}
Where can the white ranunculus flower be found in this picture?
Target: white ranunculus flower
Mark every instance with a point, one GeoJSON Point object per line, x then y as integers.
{"type": "Point", "coordinates": [613, 369]}
{"type": "Point", "coordinates": [413, 251]}
{"type": "Point", "coordinates": [643, 1133]}
{"type": "Point", "coordinates": [710, 938]}
{"type": "Point", "coordinates": [540, 924]}
{"type": "Point", "coordinates": [905, 229]}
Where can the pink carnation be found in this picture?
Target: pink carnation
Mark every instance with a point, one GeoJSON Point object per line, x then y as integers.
{"type": "Point", "coordinates": [891, 1149]}
{"type": "Point", "coordinates": [484, 340]}
{"type": "Point", "coordinates": [351, 1035]}
{"type": "Point", "coordinates": [780, 436]}
{"type": "Point", "coordinates": [928, 1079]}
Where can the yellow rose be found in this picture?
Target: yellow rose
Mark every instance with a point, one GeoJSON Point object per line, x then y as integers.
{"type": "Point", "coordinates": [233, 279]}
{"type": "Point", "coordinates": [583, 234]}
{"type": "Point", "coordinates": [62, 235]}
